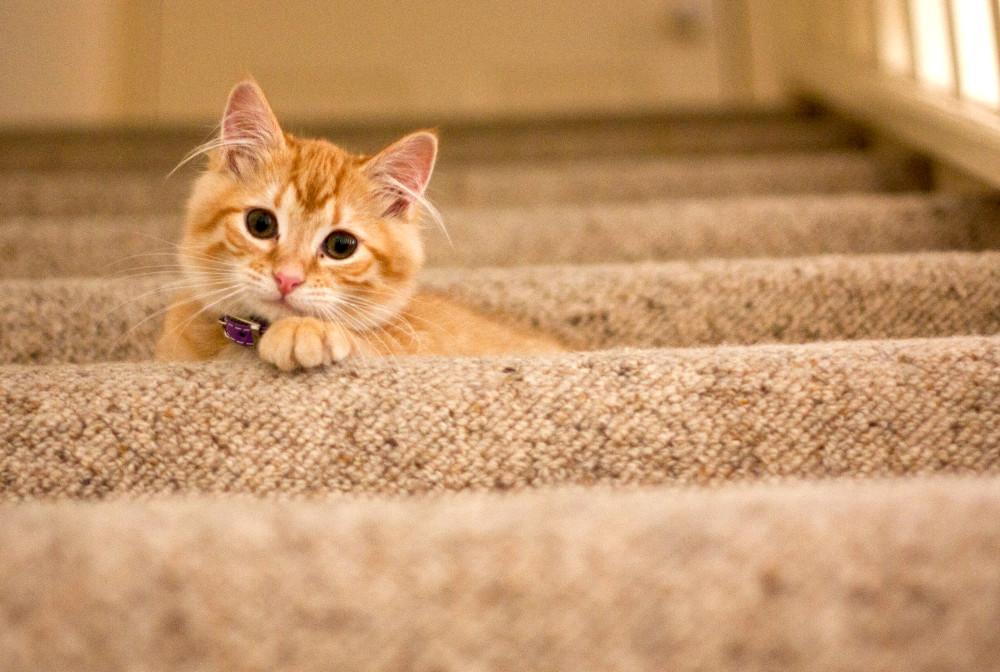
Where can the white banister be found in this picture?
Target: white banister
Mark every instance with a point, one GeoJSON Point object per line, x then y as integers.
{"type": "Point", "coordinates": [995, 15]}
{"type": "Point", "coordinates": [952, 38]}
{"type": "Point", "coordinates": [930, 103]}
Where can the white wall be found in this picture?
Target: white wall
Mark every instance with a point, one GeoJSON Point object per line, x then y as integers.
{"type": "Point", "coordinates": [453, 57]}
{"type": "Point", "coordinates": [100, 61]}
{"type": "Point", "coordinates": [55, 60]}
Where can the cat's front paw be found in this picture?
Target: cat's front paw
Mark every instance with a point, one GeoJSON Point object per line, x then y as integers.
{"type": "Point", "coordinates": [305, 342]}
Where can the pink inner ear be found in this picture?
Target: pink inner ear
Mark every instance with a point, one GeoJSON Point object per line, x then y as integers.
{"type": "Point", "coordinates": [249, 127]}
{"type": "Point", "coordinates": [404, 169]}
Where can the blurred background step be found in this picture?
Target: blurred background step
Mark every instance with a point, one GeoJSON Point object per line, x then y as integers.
{"type": "Point", "coordinates": [757, 226]}
{"type": "Point", "coordinates": [674, 304]}
{"type": "Point", "coordinates": [510, 140]}
{"type": "Point", "coordinates": [573, 579]}
{"type": "Point", "coordinates": [581, 181]}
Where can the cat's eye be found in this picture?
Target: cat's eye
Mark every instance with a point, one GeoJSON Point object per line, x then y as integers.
{"type": "Point", "coordinates": [262, 223]}
{"type": "Point", "coordinates": [339, 245]}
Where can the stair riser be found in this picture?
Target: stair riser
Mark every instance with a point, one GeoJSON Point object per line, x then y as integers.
{"type": "Point", "coordinates": [432, 425]}
{"type": "Point", "coordinates": [668, 305]}
{"type": "Point", "coordinates": [848, 578]}
{"type": "Point", "coordinates": [543, 555]}
{"type": "Point", "coordinates": [130, 149]}
{"type": "Point", "coordinates": [66, 193]}
{"type": "Point", "coordinates": [689, 229]}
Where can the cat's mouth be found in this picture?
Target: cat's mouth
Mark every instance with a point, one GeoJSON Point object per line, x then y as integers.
{"type": "Point", "coordinates": [271, 309]}
{"type": "Point", "coordinates": [283, 304]}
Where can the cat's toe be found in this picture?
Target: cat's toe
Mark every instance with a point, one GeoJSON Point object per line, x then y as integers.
{"type": "Point", "coordinates": [338, 344]}
{"type": "Point", "coordinates": [277, 345]}
{"type": "Point", "coordinates": [309, 347]}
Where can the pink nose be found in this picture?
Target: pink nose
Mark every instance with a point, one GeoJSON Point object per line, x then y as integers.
{"type": "Point", "coordinates": [286, 283]}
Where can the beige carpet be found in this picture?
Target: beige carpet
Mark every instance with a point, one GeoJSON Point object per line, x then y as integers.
{"type": "Point", "coordinates": [649, 417]}
{"type": "Point", "coordinates": [778, 446]}
{"type": "Point", "coordinates": [504, 184]}
{"type": "Point", "coordinates": [675, 304]}
{"type": "Point", "coordinates": [723, 132]}
{"type": "Point", "coordinates": [881, 576]}
{"type": "Point", "coordinates": [760, 226]}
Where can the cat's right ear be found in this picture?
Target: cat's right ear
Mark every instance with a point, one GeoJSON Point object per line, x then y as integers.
{"type": "Point", "coordinates": [250, 131]}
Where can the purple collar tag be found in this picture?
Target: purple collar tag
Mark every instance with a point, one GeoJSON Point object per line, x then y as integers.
{"type": "Point", "coordinates": [242, 332]}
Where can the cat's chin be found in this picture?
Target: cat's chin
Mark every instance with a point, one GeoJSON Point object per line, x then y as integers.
{"type": "Point", "coordinates": [270, 310]}
{"type": "Point", "coordinates": [273, 310]}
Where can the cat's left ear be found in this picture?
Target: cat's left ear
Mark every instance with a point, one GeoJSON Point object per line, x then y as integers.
{"type": "Point", "coordinates": [250, 131]}
{"type": "Point", "coordinates": [401, 172]}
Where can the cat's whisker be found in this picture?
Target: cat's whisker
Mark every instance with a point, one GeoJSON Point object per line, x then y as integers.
{"type": "Point", "coordinates": [162, 271]}
{"type": "Point", "coordinates": [361, 330]}
{"type": "Point", "coordinates": [359, 323]}
{"type": "Point", "coordinates": [219, 143]}
{"type": "Point", "coordinates": [145, 255]}
{"type": "Point", "coordinates": [173, 254]}
{"type": "Point", "coordinates": [411, 333]}
{"type": "Point", "coordinates": [159, 290]}
{"type": "Point", "coordinates": [356, 330]}
{"type": "Point", "coordinates": [372, 351]}
{"type": "Point", "coordinates": [157, 239]}
{"type": "Point", "coordinates": [173, 245]}
{"type": "Point", "coordinates": [142, 273]}
{"type": "Point", "coordinates": [195, 254]}
{"type": "Point", "coordinates": [181, 283]}
{"type": "Point", "coordinates": [215, 142]}
{"type": "Point", "coordinates": [203, 259]}
{"type": "Point", "coordinates": [362, 302]}
{"type": "Point", "coordinates": [375, 329]}
{"type": "Point", "coordinates": [354, 300]}
{"type": "Point", "coordinates": [204, 308]}
{"type": "Point", "coordinates": [398, 319]}
{"type": "Point", "coordinates": [178, 269]}
{"type": "Point", "coordinates": [330, 314]}
{"type": "Point", "coordinates": [167, 308]}
{"type": "Point", "coordinates": [423, 203]}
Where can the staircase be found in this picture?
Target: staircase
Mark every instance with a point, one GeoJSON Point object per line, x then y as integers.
{"type": "Point", "coordinates": [778, 446]}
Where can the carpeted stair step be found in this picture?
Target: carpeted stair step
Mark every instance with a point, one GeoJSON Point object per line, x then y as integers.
{"type": "Point", "coordinates": [642, 179]}
{"type": "Point", "coordinates": [673, 304]}
{"type": "Point", "coordinates": [127, 149]}
{"type": "Point", "coordinates": [816, 577]}
{"type": "Point", "coordinates": [424, 424]}
{"type": "Point", "coordinates": [658, 231]}
{"type": "Point", "coordinates": [33, 193]}
{"type": "Point", "coordinates": [831, 373]}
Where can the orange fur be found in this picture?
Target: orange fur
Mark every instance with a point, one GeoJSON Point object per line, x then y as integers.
{"type": "Point", "coordinates": [362, 305]}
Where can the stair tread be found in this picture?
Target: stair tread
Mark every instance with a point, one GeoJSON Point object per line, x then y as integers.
{"type": "Point", "coordinates": [668, 304]}
{"type": "Point", "coordinates": [529, 140]}
{"type": "Point", "coordinates": [581, 181]}
{"type": "Point", "coordinates": [812, 333]}
{"type": "Point", "coordinates": [642, 417]}
{"type": "Point", "coordinates": [759, 226]}
{"type": "Point", "coordinates": [577, 579]}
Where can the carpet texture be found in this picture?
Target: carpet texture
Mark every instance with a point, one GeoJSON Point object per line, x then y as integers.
{"type": "Point", "coordinates": [777, 445]}
{"type": "Point", "coordinates": [562, 181]}
{"type": "Point", "coordinates": [880, 576]}
{"type": "Point", "coordinates": [676, 304]}
{"type": "Point", "coordinates": [719, 133]}
{"type": "Point", "coordinates": [424, 424]}
{"type": "Point", "coordinates": [37, 247]}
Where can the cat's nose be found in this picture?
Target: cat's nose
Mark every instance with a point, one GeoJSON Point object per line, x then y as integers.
{"type": "Point", "coordinates": [286, 282]}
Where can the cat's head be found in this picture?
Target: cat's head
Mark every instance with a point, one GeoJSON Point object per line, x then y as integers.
{"type": "Point", "coordinates": [280, 226]}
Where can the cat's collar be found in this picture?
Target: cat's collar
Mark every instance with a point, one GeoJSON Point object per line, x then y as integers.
{"type": "Point", "coordinates": [243, 331]}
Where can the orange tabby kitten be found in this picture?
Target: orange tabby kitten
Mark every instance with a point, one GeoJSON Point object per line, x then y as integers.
{"type": "Point", "coordinates": [311, 253]}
